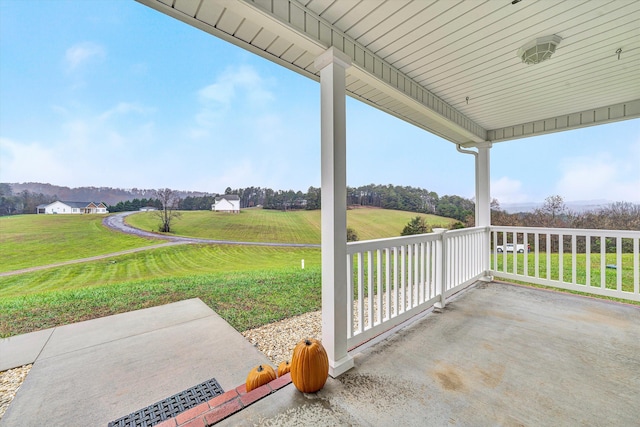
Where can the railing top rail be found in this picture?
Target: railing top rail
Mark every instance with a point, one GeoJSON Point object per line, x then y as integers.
{"type": "Point", "coordinates": [568, 231]}
{"type": "Point", "coordinates": [393, 242]}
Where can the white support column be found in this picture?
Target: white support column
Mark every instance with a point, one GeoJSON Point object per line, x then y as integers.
{"type": "Point", "coordinates": [483, 199]}
{"type": "Point", "coordinates": [332, 65]}
{"type": "Point", "coordinates": [483, 178]}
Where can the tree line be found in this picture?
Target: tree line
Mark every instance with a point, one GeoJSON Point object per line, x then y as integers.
{"type": "Point", "coordinates": [555, 214]}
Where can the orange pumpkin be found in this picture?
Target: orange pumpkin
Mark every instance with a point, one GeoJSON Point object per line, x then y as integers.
{"type": "Point", "coordinates": [309, 366]}
{"type": "Point", "coordinates": [283, 368]}
{"type": "Point", "coordinates": [260, 375]}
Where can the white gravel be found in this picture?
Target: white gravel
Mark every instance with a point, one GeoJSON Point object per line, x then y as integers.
{"type": "Point", "coordinates": [10, 382]}
{"type": "Point", "coordinates": [277, 340]}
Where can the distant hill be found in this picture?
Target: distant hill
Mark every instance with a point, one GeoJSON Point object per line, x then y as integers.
{"type": "Point", "coordinates": [578, 206]}
{"type": "Point", "coordinates": [107, 195]}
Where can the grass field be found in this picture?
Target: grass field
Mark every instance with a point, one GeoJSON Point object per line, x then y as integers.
{"type": "Point", "coordinates": [245, 299]}
{"type": "Point", "coordinates": [31, 240]}
{"type": "Point", "coordinates": [248, 286]}
{"type": "Point", "coordinates": [567, 271]}
{"type": "Point", "coordinates": [264, 225]}
{"type": "Point", "coordinates": [161, 263]}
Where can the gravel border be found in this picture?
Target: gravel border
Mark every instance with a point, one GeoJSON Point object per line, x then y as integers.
{"type": "Point", "coordinates": [10, 382]}
{"type": "Point", "coordinates": [277, 340]}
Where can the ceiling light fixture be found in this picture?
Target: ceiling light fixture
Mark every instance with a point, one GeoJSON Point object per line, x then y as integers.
{"type": "Point", "coordinates": [539, 50]}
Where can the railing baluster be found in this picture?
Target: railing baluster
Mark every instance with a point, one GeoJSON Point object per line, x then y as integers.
{"type": "Point", "coordinates": [360, 293]}
{"type": "Point", "coordinates": [395, 281]}
{"type": "Point", "coordinates": [370, 291]}
{"type": "Point", "coordinates": [603, 262]}
{"type": "Point", "coordinates": [403, 266]}
{"type": "Point", "coordinates": [379, 290]}
{"type": "Point", "coordinates": [619, 264]}
{"type": "Point", "coordinates": [587, 261]}
{"type": "Point", "coordinates": [573, 259]}
{"type": "Point", "coordinates": [350, 290]}
{"type": "Point", "coordinates": [387, 279]}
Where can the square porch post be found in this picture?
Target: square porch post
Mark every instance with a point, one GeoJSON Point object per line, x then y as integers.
{"type": "Point", "coordinates": [483, 201]}
{"type": "Point", "coordinates": [332, 65]}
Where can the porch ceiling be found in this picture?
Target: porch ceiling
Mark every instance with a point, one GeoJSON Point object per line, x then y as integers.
{"type": "Point", "coordinates": [421, 60]}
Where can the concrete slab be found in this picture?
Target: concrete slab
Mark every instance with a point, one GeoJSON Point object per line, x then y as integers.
{"type": "Point", "coordinates": [81, 335]}
{"type": "Point", "coordinates": [22, 349]}
{"type": "Point", "coordinates": [497, 355]}
{"type": "Point", "coordinates": [127, 362]}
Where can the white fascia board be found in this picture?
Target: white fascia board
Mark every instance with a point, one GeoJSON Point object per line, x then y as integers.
{"type": "Point", "coordinates": [597, 116]}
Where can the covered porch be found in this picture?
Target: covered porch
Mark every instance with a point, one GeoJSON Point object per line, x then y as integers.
{"type": "Point", "coordinates": [475, 74]}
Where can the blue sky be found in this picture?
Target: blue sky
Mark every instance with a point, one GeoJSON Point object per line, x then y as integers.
{"type": "Point", "coordinates": [112, 93]}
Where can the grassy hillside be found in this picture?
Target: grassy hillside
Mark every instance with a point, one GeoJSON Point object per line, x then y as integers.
{"type": "Point", "coordinates": [263, 225]}
{"type": "Point", "coordinates": [31, 240]}
{"type": "Point", "coordinates": [161, 263]}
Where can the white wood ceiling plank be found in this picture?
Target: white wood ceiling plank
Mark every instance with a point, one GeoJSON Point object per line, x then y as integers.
{"type": "Point", "coordinates": [291, 54]}
{"type": "Point", "coordinates": [566, 70]}
{"type": "Point", "coordinates": [414, 28]}
{"type": "Point", "coordinates": [369, 20]}
{"type": "Point", "coordinates": [567, 58]}
{"type": "Point", "coordinates": [279, 47]}
{"type": "Point", "coordinates": [371, 38]}
{"type": "Point", "coordinates": [210, 13]}
{"type": "Point", "coordinates": [188, 7]}
{"type": "Point", "coordinates": [542, 105]}
{"type": "Point", "coordinates": [264, 39]}
{"type": "Point", "coordinates": [357, 13]}
{"type": "Point", "coordinates": [247, 31]}
{"type": "Point", "coordinates": [487, 65]}
{"type": "Point", "coordinates": [318, 6]}
{"type": "Point", "coordinates": [338, 9]}
{"type": "Point", "coordinates": [229, 22]}
{"type": "Point", "coordinates": [499, 45]}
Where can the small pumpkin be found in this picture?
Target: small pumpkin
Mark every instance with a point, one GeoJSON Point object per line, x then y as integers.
{"type": "Point", "coordinates": [283, 368]}
{"type": "Point", "coordinates": [258, 376]}
{"type": "Point", "coordinates": [309, 366]}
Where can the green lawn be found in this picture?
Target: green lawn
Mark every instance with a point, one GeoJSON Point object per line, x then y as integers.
{"type": "Point", "coordinates": [32, 240]}
{"type": "Point", "coordinates": [581, 275]}
{"type": "Point", "coordinates": [161, 263]}
{"type": "Point", "coordinates": [264, 225]}
{"type": "Point", "coordinates": [245, 299]}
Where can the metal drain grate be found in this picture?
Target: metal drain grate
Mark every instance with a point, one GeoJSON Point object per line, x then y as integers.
{"type": "Point", "coordinates": [171, 406]}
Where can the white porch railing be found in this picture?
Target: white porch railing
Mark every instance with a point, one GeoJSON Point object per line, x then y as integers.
{"type": "Point", "coordinates": [601, 262]}
{"type": "Point", "coordinates": [391, 280]}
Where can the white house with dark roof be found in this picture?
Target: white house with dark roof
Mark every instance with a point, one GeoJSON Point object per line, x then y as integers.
{"type": "Point", "coordinates": [59, 207]}
{"type": "Point", "coordinates": [227, 203]}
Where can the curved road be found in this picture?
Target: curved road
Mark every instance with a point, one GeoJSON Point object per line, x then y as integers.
{"type": "Point", "coordinates": [116, 222]}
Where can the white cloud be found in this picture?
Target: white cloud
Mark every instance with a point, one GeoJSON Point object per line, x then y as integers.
{"type": "Point", "coordinates": [30, 162]}
{"type": "Point", "coordinates": [602, 176]}
{"type": "Point", "coordinates": [508, 190]}
{"type": "Point", "coordinates": [82, 53]}
{"type": "Point", "coordinates": [84, 150]}
{"type": "Point", "coordinates": [236, 91]}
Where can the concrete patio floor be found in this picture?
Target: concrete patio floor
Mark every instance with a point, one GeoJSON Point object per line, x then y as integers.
{"type": "Point", "coordinates": [497, 354]}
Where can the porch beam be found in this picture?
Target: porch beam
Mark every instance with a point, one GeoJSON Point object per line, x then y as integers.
{"type": "Point", "coordinates": [332, 65]}
{"type": "Point", "coordinates": [596, 116]}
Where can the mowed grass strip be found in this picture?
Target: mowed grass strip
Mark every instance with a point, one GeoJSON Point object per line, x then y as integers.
{"type": "Point", "coordinates": [245, 299]}
{"type": "Point", "coordinates": [265, 225]}
{"type": "Point", "coordinates": [33, 240]}
{"type": "Point", "coordinates": [160, 263]}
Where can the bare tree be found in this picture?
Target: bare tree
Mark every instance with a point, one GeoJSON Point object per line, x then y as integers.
{"type": "Point", "coordinates": [169, 200]}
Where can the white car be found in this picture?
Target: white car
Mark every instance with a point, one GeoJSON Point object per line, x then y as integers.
{"type": "Point", "coordinates": [509, 247]}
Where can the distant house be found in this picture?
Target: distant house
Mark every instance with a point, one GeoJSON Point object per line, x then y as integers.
{"type": "Point", "coordinates": [227, 203]}
{"type": "Point", "coordinates": [148, 208]}
{"type": "Point", "coordinates": [59, 207]}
